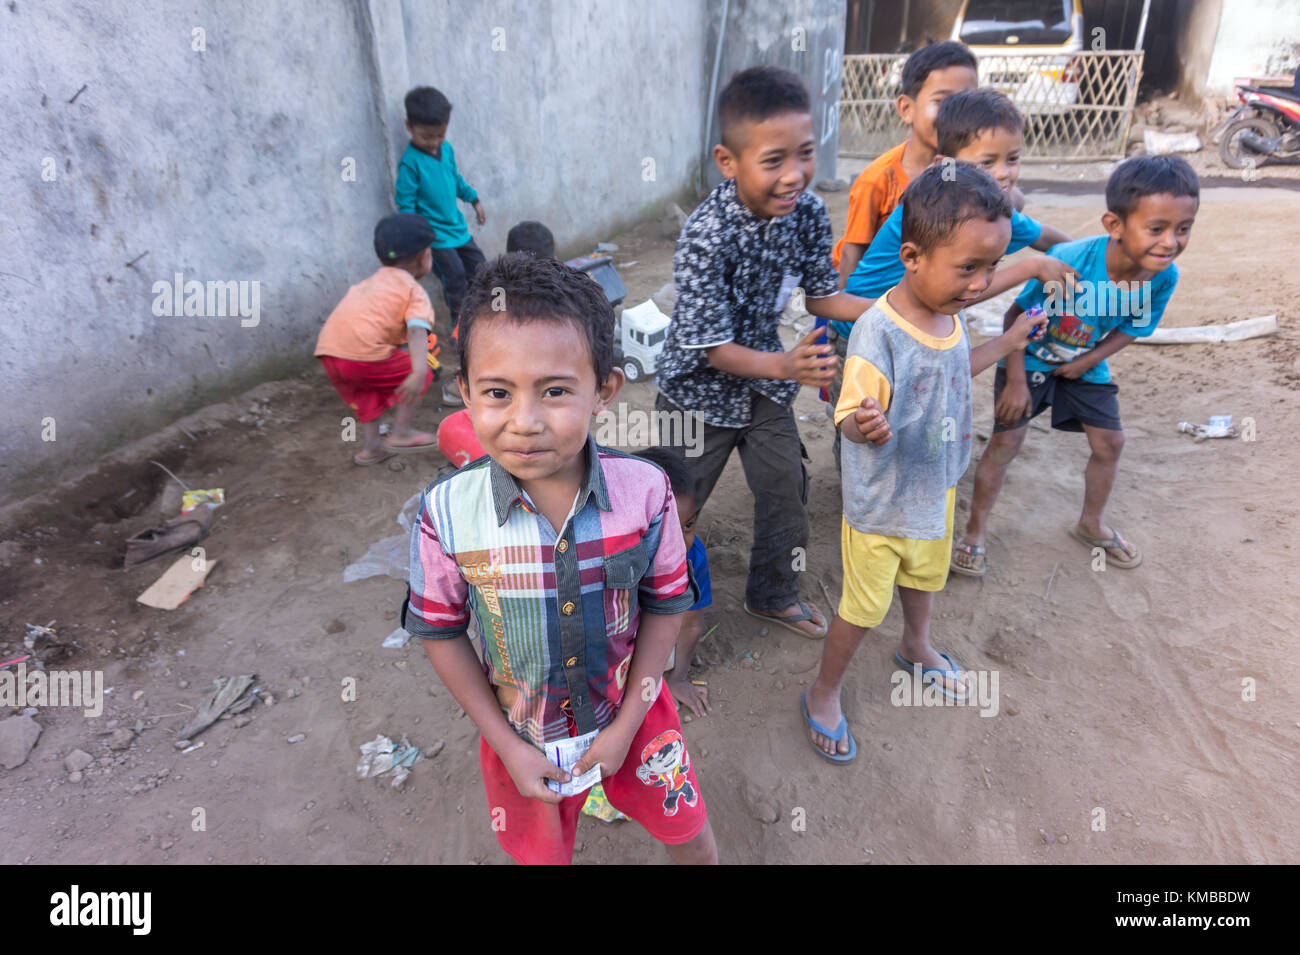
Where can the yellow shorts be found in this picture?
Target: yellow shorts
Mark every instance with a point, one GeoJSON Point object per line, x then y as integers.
{"type": "Point", "coordinates": [873, 564]}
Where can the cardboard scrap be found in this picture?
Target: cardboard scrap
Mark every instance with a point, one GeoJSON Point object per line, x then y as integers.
{"type": "Point", "coordinates": [181, 579]}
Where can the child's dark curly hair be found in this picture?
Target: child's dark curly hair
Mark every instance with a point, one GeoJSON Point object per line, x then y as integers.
{"type": "Point", "coordinates": [528, 288]}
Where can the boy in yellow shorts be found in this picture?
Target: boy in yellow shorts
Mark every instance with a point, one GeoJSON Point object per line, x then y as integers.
{"type": "Point", "coordinates": [909, 356]}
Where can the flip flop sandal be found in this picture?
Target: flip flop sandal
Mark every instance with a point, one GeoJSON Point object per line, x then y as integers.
{"type": "Point", "coordinates": [789, 622]}
{"type": "Point", "coordinates": [934, 676]}
{"type": "Point", "coordinates": [975, 553]}
{"type": "Point", "coordinates": [177, 533]}
{"type": "Point", "coordinates": [373, 461]}
{"type": "Point", "coordinates": [1114, 541]}
{"type": "Point", "coordinates": [408, 448]}
{"type": "Point", "coordinates": [840, 732]}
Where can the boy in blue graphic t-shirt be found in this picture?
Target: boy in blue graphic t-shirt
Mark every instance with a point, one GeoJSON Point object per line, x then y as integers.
{"type": "Point", "coordinates": [1125, 280]}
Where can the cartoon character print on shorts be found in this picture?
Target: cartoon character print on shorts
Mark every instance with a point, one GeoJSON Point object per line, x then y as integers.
{"type": "Point", "coordinates": [665, 762]}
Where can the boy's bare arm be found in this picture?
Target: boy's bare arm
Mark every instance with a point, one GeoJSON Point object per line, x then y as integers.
{"type": "Point", "coordinates": [850, 255]}
{"type": "Point", "coordinates": [1014, 402]}
{"type": "Point", "coordinates": [1112, 343]}
{"type": "Point", "coordinates": [1013, 340]}
{"type": "Point", "coordinates": [460, 671]}
{"type": "Point", "coordinates": [808, 363]}
{"type": "Point", "coordinates": [867, 424]}
{"type": "Point", "coordinates": [655, 637]}
{"type": "Point", "coordinates": [1015, 365]}
{"type": "Point", "coordinates": [1044, 268]}
{"type": "Point", "coordinates": [417, 340]}
{"type": "Point", "coordinates": [840, 307]}
{"type": "Point", "coordinates": [1049, 237]}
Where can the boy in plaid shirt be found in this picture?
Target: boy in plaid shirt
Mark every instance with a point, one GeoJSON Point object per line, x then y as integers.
{"type": "Point", "coordinates": [570, 559]}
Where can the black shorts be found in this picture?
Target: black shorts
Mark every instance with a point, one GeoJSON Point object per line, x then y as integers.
{"type": "Point", "coordinates": [1074, 402]}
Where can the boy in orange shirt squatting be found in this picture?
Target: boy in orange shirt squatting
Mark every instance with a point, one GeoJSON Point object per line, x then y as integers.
{"type": "Point", "coordinates": [359, 343]}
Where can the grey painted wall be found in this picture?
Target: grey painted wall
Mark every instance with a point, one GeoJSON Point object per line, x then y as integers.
{"type": "Point", "coordinates": [261, 151]}
{"type": "Point", "coordinates": [806, 36]}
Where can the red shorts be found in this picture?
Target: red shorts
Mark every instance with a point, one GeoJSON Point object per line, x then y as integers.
{"type": "Point", "coordinates": [656, 786]}
{"type": "Point", "coordinates": [370, 387]}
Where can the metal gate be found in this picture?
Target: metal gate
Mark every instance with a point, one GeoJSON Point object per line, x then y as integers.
{"type": "Point", "coordinates": [1077, 106]}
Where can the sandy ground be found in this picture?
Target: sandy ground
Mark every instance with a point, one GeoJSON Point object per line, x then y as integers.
{"type": "Point", "coordinates": [1120, 691]}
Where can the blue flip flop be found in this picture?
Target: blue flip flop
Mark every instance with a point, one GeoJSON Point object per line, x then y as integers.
{"type": "Point", "coordinates": [952, 673]}
{"type": "Point", "coordinates": [840, 732]}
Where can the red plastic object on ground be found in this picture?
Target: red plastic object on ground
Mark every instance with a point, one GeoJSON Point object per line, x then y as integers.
{"type": "Point", "coordinates": [456, 439]}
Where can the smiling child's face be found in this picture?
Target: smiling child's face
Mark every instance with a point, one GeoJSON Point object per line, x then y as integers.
{"type": "Point", "coordinates": [997, 152]}
{"type": "Point", "coordinates": [773, 162]}
{"type": "Point", "coordinates": [1156, 232]}
{"type": "Point", "coordinates": [920, 111]}
{"type": "Point", "coordinates": [948, 276]}
{"type": "Point", "coordinates": [531, 390]}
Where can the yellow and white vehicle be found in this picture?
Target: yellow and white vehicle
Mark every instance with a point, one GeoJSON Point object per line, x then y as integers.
{"type": "Point", "coordinates": [1025, 49]}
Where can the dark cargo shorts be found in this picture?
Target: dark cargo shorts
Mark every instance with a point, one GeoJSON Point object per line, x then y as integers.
{"type": "Point", "coordinates": [1074, 402]}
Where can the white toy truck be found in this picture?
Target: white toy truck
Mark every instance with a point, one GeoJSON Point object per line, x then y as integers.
{"type": "Point", "coordinates": [639, 334]}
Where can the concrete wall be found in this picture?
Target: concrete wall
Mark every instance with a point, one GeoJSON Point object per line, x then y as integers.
{"type": "Point", "coordinates": [1255, 38]}
{"type": "Point", "coordinates": [1197, 31]}
{"type": "Point", "coordinates": [224, 155]}
{"type": "Point", "coordinates": [806, 36]}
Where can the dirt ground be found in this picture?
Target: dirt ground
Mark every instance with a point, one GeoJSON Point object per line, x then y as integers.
{"type": "Point", "coordinates": [1120, 691]}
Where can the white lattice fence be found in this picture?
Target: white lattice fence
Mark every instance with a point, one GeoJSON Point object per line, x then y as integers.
{"type": "Point", "coordinates": [1076, 106]}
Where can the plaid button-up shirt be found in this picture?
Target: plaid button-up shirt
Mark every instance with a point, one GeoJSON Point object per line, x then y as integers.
{"type": "Point", "coordinates": [728, 270]}
{"type": "Point", "coordinates": [557, 611]}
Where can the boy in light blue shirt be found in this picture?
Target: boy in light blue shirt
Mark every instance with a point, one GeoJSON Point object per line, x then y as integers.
{"type": "Point", "coordinates": [428, 184]}
{"type": "Point", "coordinates": [981, 127]}
{"type": "Point", "coordinates": [1125, 279]}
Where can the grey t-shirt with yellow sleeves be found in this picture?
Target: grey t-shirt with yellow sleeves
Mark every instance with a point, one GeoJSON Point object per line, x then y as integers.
{"type": "Point", "coordinates": [923, 383]}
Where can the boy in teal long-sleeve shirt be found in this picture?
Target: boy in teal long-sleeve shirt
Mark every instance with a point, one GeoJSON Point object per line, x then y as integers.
{"type": "Point", "coordinates": [428, 184]}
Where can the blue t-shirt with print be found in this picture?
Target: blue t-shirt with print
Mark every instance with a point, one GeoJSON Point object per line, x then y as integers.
{"type": "Point", "coordinates": [1077, 322]}
{"type": "Point", "coordinates": [881, 268]}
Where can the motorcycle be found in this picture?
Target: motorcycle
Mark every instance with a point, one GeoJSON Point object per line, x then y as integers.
{"type": "Point", "coordinates": [1265, 126]}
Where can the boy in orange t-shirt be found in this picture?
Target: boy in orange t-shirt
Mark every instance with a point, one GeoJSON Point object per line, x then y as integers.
{"type": "Point", "coordinates": [359, 343]}
{"type": "Point", "coordinates": [931, 74]}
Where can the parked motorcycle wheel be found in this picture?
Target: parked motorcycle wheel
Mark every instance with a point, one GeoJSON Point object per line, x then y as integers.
{"type": "Point", "coordinates": [1231, 150]}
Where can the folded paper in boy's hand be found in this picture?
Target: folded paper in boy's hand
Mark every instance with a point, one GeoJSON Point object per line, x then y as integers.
{"type": "Point", "coordinates": [565, 753]}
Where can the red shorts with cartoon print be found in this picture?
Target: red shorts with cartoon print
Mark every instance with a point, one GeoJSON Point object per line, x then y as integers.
{"type": "Point", "coordinates": [656, 786]}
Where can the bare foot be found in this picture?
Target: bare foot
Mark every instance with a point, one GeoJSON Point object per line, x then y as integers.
{"type": "Point", "coordinates": [696, 698]}
{"type": "Point", "coordinates": [814, 628]}
{"type": "Point", "coordinates": [825, 709]}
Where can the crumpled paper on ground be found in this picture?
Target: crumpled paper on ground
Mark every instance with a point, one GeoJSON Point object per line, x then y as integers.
{"type": "Point", "coordinates": [380, 756]}
{"type": "Point", "coordinates": [227, 697]}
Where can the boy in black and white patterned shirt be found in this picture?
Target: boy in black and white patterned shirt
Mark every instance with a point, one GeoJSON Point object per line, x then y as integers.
{"type": "Point", "coordinates": [723, 360]}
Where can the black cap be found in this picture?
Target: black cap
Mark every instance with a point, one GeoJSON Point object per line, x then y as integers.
{"type": "Point", "coordinates": [401, 235]}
